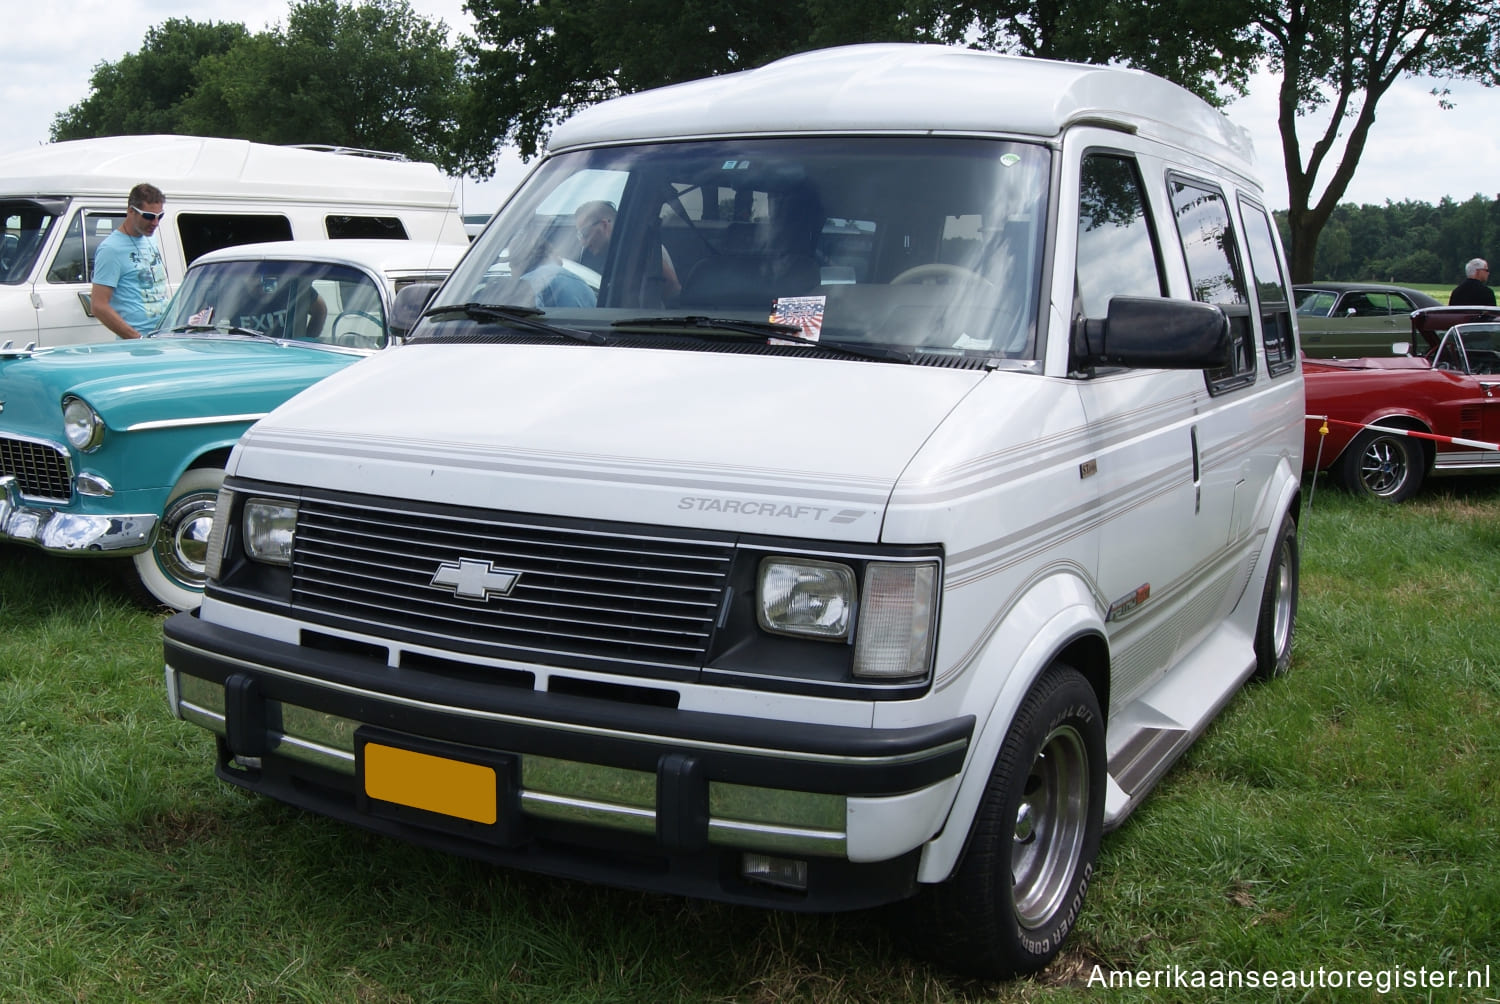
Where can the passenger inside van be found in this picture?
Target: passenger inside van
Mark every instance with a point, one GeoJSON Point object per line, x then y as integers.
{"type": "Point", "coordinates": [596, 226]}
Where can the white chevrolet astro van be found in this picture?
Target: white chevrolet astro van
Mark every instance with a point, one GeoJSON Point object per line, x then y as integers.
{"type": "Point", "coordinates": [59, 201]}
{"type": "Point", "coordinates": [898, 489]}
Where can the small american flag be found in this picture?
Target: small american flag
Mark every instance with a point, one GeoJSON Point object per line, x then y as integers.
{"type": "Point", "coordinates": [806, 312]}
{"type": "Point", "coordinates": [202, 317]}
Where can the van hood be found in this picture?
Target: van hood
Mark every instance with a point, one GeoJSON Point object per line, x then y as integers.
{"type": "Point", "coordinates": [774, 444]}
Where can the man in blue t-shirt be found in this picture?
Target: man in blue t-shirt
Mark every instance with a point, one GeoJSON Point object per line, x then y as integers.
{"type": "Point", "coordinates": [130, 281]}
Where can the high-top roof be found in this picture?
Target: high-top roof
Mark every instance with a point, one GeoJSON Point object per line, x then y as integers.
{"type": "Point", "coordinates": [196, 166]}
{"type": "Point", "coordinates": [908, 88]}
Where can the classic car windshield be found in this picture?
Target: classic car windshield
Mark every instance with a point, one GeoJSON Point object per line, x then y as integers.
{"type": "Point", "coordinates": [915, 243]}
{"type": "Point", "coordinates": [1469, 348]}
{"type": "Point", "coordinates": [24, 225]}
{"type": "Point", "coordinates": [303, 300]}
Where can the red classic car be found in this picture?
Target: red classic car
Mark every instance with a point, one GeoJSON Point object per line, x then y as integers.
{"type": "Point", "coordinates": [1392, 421]}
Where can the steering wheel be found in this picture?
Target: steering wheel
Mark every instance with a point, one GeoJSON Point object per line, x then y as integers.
{"type": "Point", "coordinates": [938, 274]}
{"type": "Point", "coordinates": [353, 338]}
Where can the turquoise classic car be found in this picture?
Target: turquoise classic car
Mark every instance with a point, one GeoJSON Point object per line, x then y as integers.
{"type": "Point", "coordinates": [118, 449]}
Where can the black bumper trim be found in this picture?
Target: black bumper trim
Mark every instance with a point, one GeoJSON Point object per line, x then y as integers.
{"type": "Point", "coordinates": [823, 759]}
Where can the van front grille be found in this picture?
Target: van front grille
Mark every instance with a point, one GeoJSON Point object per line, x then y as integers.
{"type": "Point", "coordinates": [491, 585]}
{"type": "Point", "coordinates": [42, 471]}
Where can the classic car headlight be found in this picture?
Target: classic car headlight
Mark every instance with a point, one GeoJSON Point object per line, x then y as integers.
{"type": "Point", "coordinates": [269, 528]}
{"type": "Point", "coordinates": [800, 596]}
{"type": "Point", "coordinates": [81, 424]}
{"type": "Point", "coordinates": [897, 619]}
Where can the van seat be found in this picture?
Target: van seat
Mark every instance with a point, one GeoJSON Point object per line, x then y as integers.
{"type": "Point", "coordinates": [727, 281]}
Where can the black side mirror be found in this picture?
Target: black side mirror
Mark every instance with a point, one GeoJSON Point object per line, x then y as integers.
{"type": "Point", "coordinates": [1144, 332]}
{"type": "Point", "coordinates": [411, 300]}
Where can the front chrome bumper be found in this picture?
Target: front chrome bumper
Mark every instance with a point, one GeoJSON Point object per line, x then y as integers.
{"type": "Point", "coordinates": [70, 532]}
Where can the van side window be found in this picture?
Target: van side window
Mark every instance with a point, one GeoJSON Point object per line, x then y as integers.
{"type": "Point", "coordinates": [74, 261]}
{"type": "Point", "coordinates": [1271, 291]}
{"type": "Point", "coordinates": [1213, 266]}
{"type": "Point", "coordinates": [25, 227]}
{"type": "Point", "coordinates": [379, 227]}
{"type": "Point", "coordinates": [201, 233]}
{"type": "Point", "coordinates": [1117, 253]}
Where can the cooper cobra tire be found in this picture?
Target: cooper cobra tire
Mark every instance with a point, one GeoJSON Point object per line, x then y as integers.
{"type": "Point", "coordinates": [1278, 605]}
{"type": "Point", "coordinates": [1383, 465]}
{"type": "Point", "coordinates": [1018, 890]}
{"type": "Point", "coordinates": [171, 571]}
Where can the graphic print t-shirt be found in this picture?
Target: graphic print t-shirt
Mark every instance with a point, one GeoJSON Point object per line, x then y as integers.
{"type": "Point", "coordinates": [133, 268]}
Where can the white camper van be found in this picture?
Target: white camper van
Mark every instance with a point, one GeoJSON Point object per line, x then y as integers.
{"type": "Point", "coordinates": [60, 200]}
{"type": "Point", "coordinates": [876, 515]}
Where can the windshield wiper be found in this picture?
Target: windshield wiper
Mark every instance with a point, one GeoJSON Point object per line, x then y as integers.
{"type": "Point", "coordinates": [196, 329]}
{"type": "Point", "coordinates": [697, 323]}
{"type": "Point", "coordinates": [521, 317]}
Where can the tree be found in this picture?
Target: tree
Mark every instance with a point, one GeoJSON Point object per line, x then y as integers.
{"type": "Point", "coordinates": [371, 74]}
{"type": "Point", "coordinates": [1341, 57]}
{"type": "Point", "coordinates": [143, 92]}
{"type": "Point", "coordinates": [1202, 46]}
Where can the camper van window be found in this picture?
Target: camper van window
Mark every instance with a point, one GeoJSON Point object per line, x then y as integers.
{"type": "Point", "coordinates": [1216, 275]}
{"type": "Point", "coordinates": [379, 227]}
{"type": "Point", "coordinates": [74, 261]}
{"type": "Point", "coordinates": [1270, 289]}
{"type": "Point", "coordinates": [1117, 252]}
{"type": "Point", "coordinates": [24, 227]}
{"type": "Point", "coordinates": [201, 233]}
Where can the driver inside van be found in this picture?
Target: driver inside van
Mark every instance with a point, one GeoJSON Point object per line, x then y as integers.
{"type": "Point", "coordinates": [595, 222]}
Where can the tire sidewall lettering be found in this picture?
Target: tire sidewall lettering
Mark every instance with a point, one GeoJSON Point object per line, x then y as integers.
{"type": "Point", "coordinates": [1064, 925]}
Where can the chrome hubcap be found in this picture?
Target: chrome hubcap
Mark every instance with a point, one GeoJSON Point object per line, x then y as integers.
{"type": "Point", "coordinates": [182, 541]}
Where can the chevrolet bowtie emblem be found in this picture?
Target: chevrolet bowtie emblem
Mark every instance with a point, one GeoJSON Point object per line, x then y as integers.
{"type": "Point", "coordinates": [470, 579]}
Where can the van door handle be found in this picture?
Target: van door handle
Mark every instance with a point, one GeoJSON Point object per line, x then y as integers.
{"type": "Point", "coordinates": [1197, 472]}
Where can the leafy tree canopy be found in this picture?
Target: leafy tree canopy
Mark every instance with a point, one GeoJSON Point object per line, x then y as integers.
{"type": "Point", "coordinates": [141, 93]}
{"type": "Point", "coordinates": [1340, 57]}
{"type": "Point", "coordinates": [372, 74]}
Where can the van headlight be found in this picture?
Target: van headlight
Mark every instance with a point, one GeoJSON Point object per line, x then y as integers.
{"type": "Point", "coordinates": [889, 608]}
{"type": "Point", "coordinates": [806, 598]}
{"type": "Point", "coordinates": [269, 527]}
{"type": "Point", "coordinates": [82, 425]}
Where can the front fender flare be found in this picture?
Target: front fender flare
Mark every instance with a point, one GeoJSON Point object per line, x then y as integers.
{"type": "Point", "coordinates": [1006, 666]}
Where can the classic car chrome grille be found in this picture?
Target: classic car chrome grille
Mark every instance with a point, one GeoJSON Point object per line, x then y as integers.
{"type": "Point", "coordinates": [579, 593]}
{"type": "Point", "coordinates": [42, 470]}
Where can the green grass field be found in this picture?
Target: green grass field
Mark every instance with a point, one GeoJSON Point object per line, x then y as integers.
{"type": "Point", "coordinates": [1438, 291]}
{"type": "Point", "coordinates": [1343, 818]}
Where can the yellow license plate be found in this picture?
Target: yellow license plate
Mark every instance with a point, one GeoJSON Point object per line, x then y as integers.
{"type": "Point", "coordinates": [433, 783]}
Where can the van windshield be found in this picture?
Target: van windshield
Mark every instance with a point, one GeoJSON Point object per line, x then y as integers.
{"type": "Point", "coordinates": [918, 243]}
{"type": "Point", "coordinates": [24, 226]}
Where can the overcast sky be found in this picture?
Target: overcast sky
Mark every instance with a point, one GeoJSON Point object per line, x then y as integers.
{"type": "Point", "coordinates": [1416, 150]}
